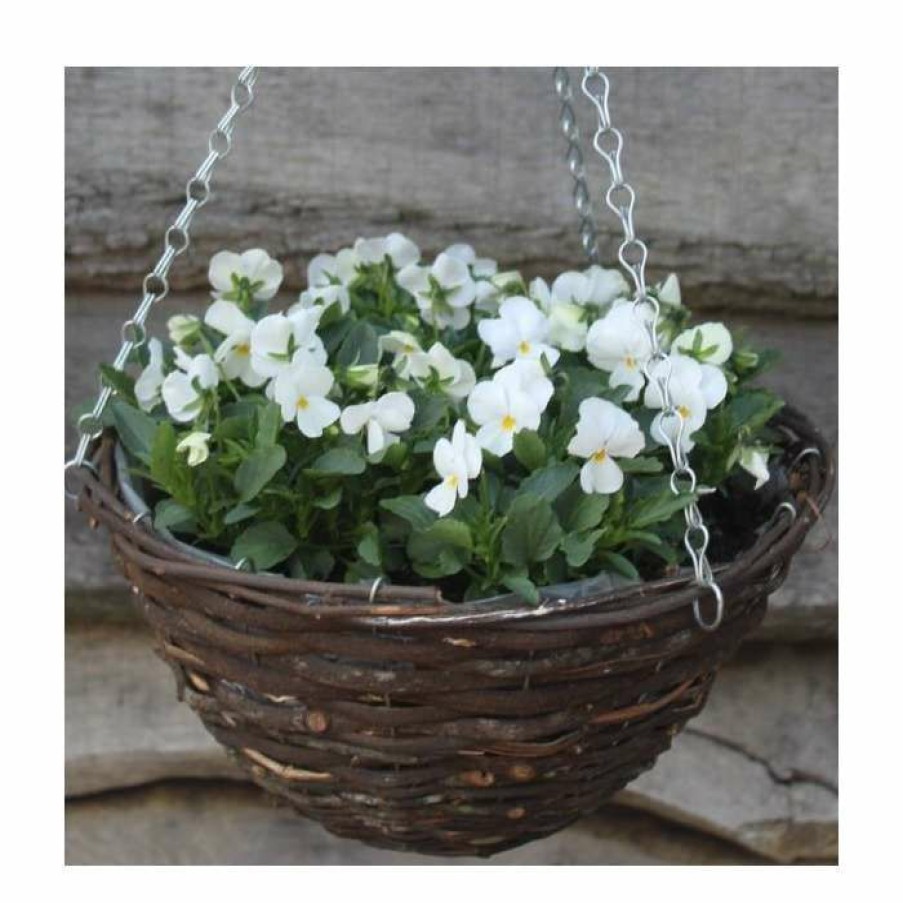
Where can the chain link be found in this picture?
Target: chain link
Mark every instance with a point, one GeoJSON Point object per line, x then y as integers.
{"type": "Point", "coordinates": [155, 286]}
{"type": "Point", "coordinates": [620, 197]}
{"type": "Point", "coordinates": [576, 166]}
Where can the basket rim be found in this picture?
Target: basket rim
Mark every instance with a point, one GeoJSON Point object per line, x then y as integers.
{"type": "Point", "coordinates": [410, 606]}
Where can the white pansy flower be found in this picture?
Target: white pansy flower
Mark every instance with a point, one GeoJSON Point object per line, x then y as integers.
{"type": "Point", "coordinates": [404, 346]}
{"type": "Point", "coordinates": [605, 285]}
{"type": "Point", "coordinates": [567, 318]}
{"type": "Point", "coordinates": [695, 389]}
{"type": "Point", "coordinates": [276, 337]}
{"type": "Point", "coordinates": [520, 332]}
{"type": "Point", "coordinates": [501, 409]}
{"type": "Point", "coordinates": [604, 432]}
{"type": "Point", "coordinates": [150, 380]}
{"type": "Point", "coordinates": [482, 268]}
{"type": "Point", "coordinates": [300, 390]}
{"type": "Point", "coordinates": [197, 446]}
{"type": "Point", "coordinates": [711, 343]}
{"type": "Point", "coordinates": [397, 247]}
{"type": "Point", "coordinates": [255, 269]}
{"type": "Point", "coordinates": [328, 278]}
{"type": "Point", "coordinates": [456, 377]}
{"type": "Point", "coordinates": [529, 378]}
{"type": "Point", "coordinates": [182, 327]}
{"type": "Point", "coordinates": [234, 353]}
{"type": "Point", "coordinates": [443, 292]}
{"type": "Point", "coordinates": [618, 344]}
{"type": "Point", "coordinates": [457, 462]}
{"type": "Point", "coordinates": [669, 291]}
{"type": "Point", "coordinates": [754, 460]}
{"type": "Point", "coordinates": [383, 419]}
{"type": "Point", "coordinates": [183, 390]}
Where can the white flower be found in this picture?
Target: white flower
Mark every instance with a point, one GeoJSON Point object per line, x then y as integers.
{"type": "Point", "coordinates": [605, 286]}
{"type": "Point", "coordinates": [182, 327]}
{"type": "Point", "coordinates": [399, 249]}
{"type": "Point", "coordinates": [183, 390]}
{"type": "Point", "coordinates": [456, 462]}
{"type": "Point", "coordinates": [618, 344]}
{"type": "Point", "coordinates": [567, 318]}
{"type": "Point", "coordinates": [328, 278]}
{"type": "Point", "coordinates": [710, 343]}
{"type": "Point", "coordinates": [276, 337]}
{"type": "Point", "coordinates": [604, 432]}
{"type": "Point", "coordinates": [695, 388]}
{"type": "Point", "coordinates": [150, 380]}
{"type": "Point", "coordinates": [255, 269]}
{"type": "Point", "coordinates": [404, 346]}
{"type": "Point", "coordinates": [528, 378]}
{"type": "Point", "coordinates": [196, 444]}
{"type": "Point", "coordinates": [300, 390]}
{"type": "Point", "coordinates": [521, 331]}
{"type": "Point", "coordinates": [501, 408]}
{"type": "Point", "coordinates": [669, 291]}
{"type": "Point", "coordinates": [456, 377]}
{"type": "Point", "coordinates": [362, 376]}
{"type": "Point", "coordinates": [234, 353]}
{"type": "Point", "coordinates": [480, 266]}
{"type": "Point", "coordinates": [754, 460]}
{"type": "Point", "coordinates": [384, 418]}
{"type": "Point", "coordinates": [443, 292]}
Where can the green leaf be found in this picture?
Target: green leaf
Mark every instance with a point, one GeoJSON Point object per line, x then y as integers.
{"type": "Point", "coordinates": [429, 410]}
{"type": "Point", "coordinates": [579, 547]}
{"type": "Point", "coordinates": [338, 461]}
{"type": "Point", "coordinates": [532, 532]}
{"type": "Point", "coordinates": [620, 565]}
{"type": "Point", "coordinates": [658, 508]}
{"type": "Point", "coordinates": [750, 411]}
{"type": "Point", "coordinates": [529, 449]}
{"type": "Point", "coordinates": [360, 346]}
{"type": "Point", "coordinates": [239, 513]}
{"type": "Point", "coordinates": [122, 383]}
{"type": "Point", "coordinates": [136, 430]}
{"type": "Point", "coordinates": [521, 584]}
{"type": "Point", "coordinates": [443, 534]}
{"type": "Point", "coordinates": [368, 547]}
{"type": "Point", "coordinates": [163, 455]}
{"type": "Point", "coordinates": [170, 515]}
{"type": "Point", "coordinates": [269, 424]}
{"type": "Point", "coordinates": [257, 470]}
{"type": "Point", "coordinates": [549, 482]}
{"type": "Point", "coordinates": [640, 465]}
{"type": "Point", "coordinates": [579, 511]}
{"type": "Point", "coordinates": [264, 545]}
{"type": "Point", "coordinates": [330, 500]}
{"type": "Point", "coordinates": [412, 509]}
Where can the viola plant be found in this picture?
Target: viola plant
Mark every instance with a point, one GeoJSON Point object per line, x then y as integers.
{"type": "Point", "coordinates": [435, 420]}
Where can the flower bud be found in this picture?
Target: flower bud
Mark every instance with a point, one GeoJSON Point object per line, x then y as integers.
{"type": "Point", "coordinates": [362, 376]}
{"type": "Point", "coordinates": [183, 328]}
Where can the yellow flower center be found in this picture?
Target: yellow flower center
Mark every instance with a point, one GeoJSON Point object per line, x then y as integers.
{"type": "Point", "coordinates": [408, 348]}
{"type": "Point", "coordinates": [508, 423]}
{"type": "Point", "coordinates": [599, 456]}
{"type": "Point", "coordinates": [452, 481]}
{"type": "Point", "coordinates": [524, 347]}
{"type": "Point", "coordinates": [303, 404]}
{"type": "Point", "coordinates": [244, 349]}
{"type": "Point", "coordinates": [630, 362]}
{"type": "Point", "coordinates": [684, 411]}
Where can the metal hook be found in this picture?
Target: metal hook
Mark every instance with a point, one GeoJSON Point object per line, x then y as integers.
{"type": "Point", "coordinates": [374, 588]}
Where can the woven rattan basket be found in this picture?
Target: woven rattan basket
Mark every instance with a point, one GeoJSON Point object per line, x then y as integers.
{"type": "Point", "coordinates": [410, 722]}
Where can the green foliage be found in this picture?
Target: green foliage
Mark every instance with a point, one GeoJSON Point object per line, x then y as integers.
{"type": "Point", "coordinates": [264, 545]}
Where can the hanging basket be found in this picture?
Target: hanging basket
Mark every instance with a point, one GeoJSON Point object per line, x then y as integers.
{"type": "Point", "coordinates": [407, 721]}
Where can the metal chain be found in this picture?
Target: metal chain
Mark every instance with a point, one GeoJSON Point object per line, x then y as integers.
{"type": "Point", "coordinates": [582, 199]}
{"type": "Point", "coordinates": [620, 197]}
{"type": "Point", "coordinates": [176, 240]}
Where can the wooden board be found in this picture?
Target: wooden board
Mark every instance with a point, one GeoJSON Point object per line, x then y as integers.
{"type": "Point", "coordinates": [758, 767]}
{"type": "Point", "coordinates": [735, 171]}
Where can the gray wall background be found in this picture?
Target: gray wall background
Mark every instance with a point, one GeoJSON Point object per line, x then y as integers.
{"type": "Point", "coordinates": [735, 172]}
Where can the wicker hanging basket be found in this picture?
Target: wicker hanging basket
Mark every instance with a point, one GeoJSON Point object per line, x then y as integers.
{"type": "Point", "coordinates": [413, 723]}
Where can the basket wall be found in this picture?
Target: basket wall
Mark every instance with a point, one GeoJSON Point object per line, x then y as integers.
{"type": "Point", "coordinates": [416, 724]}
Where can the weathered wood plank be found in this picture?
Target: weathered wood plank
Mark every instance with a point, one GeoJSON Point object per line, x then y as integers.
{"type": "Point", "coordinates": [804, 608]}
{"type": "Point", "coordinates": [211, 823]}
{"type": "Point", "coordinates": [759, 767]}
{"type": "Point", "coordinates": [735, 170]}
